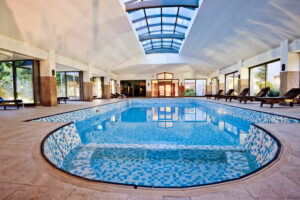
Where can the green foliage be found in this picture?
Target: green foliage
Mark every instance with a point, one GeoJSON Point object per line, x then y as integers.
{"type": "Point", "coordinates": [189, 92]}
{"type": "Point", "coordinates": [6, 79]}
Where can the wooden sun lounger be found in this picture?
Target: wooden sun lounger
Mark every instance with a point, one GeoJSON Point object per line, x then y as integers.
{"type": "Point", "coordinates": [6, 103]}
{"type": "Point", "coordinates": [289, 97]}
{"type": "Point", "coordinates": [242, 94]}
{"type": "Point", "coordinates": [229, 93]}
{"type": "Point", "coordinates": [208, 96]}
{"type": "Point", "coordinates": [262, 93]}
{"type": "Point", "coordinates": [59, 99]}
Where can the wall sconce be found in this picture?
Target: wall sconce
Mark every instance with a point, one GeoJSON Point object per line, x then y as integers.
{"type": "Point", "coordinates": [283, 67]}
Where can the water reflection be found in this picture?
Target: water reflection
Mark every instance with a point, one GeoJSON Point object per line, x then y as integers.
{"type": "Point", "coordinates": [193, 125]}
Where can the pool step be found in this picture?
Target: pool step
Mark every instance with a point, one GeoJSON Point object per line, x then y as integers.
{"type": "Point", "coordinates": [237, 164]}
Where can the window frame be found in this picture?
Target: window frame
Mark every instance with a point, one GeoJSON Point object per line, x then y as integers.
{"type": "Point", "coordinates": [196, 86]}
{"type": "Point", "coordinates": [35, 72]}
{"type": "Point", "coordinates": [265, 64]}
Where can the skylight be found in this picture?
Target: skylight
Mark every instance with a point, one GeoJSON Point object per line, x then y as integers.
{"type": "Point", "coordinates": [161, 25]}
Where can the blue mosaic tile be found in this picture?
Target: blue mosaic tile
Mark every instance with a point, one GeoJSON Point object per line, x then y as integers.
{"type": "Point", "coordinates": [189, 142]}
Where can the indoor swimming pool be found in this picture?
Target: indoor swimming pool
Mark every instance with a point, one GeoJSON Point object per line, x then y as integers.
{"type": "Point", "coordinates": [162, 142]}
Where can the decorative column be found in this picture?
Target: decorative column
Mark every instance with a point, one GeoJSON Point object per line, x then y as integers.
{"type": "Point", "coordinates": [107, 89]}
{"type": "Point", "coordinates": [87, 85]}
{"type": "Point", "coordinates": [221, 78]}
{"type": "Point", "coordinates": [148, 88]}
{"type": "Point", "coordinates": [208, 86]}
{"type": "Point", "coordinates": [48, 92]}
{"type": "Point", "coordinates": [118, 82]}
{"type": "Point", "coordinates": [244, 76]}
{"type": "Point", "coordinates": [290, 67]}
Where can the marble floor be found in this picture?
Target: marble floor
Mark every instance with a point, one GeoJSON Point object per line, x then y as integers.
{"type": "Point", "coordinates": [24, 174]}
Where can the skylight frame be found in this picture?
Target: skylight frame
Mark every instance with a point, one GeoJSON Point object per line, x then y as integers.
{"type": "Point", "coordinates": [149, 29]}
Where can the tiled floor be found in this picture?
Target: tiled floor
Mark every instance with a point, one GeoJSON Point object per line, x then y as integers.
{"type": "Point", "coordinates": [25, 175]}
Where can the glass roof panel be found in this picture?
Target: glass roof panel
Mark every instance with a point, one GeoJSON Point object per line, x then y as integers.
{"type": "Point", "coordinates": [182, 22]}
{"type": "Point", "coordinates": [169, 20]}
{"type": "Point", "coordinates": [179, 29]}
{"type": "Point", "coordinates": [156, 20]}
{"type": "Point", "coordinates": [186, 12]}
{"type": "Point", "coordinates": [167, 40]}
{"type": "Point", "coordinates": [170, 10]}
{"type": "Point", "coordinates": [168, 28]}
{"type": "Point", "coordinates": [178, 41]}
{"type": "Point", "coordinates": [156, 40]}
{"type": "Point", "coordinates": [140, 24]}
{"type": "Point", "coordinates": [142, 31]}
{"type": "Point", "coordinates": [153, 11]}
{"type": "Point", "coordinates": [136, 14]}
{"type": "Point", "coordinates": [160, 25]}
{"type": "Point", "coordinates": [155, 28]}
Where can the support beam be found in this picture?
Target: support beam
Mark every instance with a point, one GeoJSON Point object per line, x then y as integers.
{"type": "Point", "coordinates": [159, 16]}
{"type": "Point", "coordinates": [161, 3]}
{"type": "Point", "coordinates": [161, 24]}
{"type": "Point", "coordinates": [15, 46]}
{"type": "Point", "coordinates": [158, 42]}
{"type": "Point", "coordinates": [161, 36]}
{"type": "Point", "coordinates": [162, 51]}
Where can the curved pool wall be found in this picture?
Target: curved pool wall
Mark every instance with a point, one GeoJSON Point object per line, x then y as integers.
{"type": "Point", "coordinates": [262, 145]}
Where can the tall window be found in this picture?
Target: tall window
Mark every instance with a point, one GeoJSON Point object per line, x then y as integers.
{"type": "Point", "coordinates": [195, 87]}
{"type": "Point", "coordinates": [113, 86]}
{"type": "Point", "coordinates": [231, 82]}
{"type": "Point", "coordinates": [69, 84]}
{"type": "Point", "coordinates": [273, 78]}
{"type": "Point", "coordinates": [214, 85]}
{"type": "Point", "coordinates": [267, 75]}
{"type": "Point", "coordinates": [190, 88]}
{"type": "Point", "coordinates": [16, 80]}
{"type": "Point", "coordinates": [200, 87]}
{"type": "Point", "coordinates": [24, 81]}
{"type": "Point", "coordinates": [6, 80]}
{"type": "Point", "coordinates": [97, 87]}
{"type": "Point", "coordinates": [257, 79]}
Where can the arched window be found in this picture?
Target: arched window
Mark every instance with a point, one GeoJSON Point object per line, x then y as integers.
{"type": "Point", "coordinates": [164, 75]}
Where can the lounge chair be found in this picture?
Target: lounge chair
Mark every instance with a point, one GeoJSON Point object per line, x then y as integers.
{"type": "Point", "coordinates": [229, 93]}
{"type": "Point", "coordinates": [6, 103]}
{"type": "Point", "coordinates": [242, 94]}
{"type": "Point", "coordinates": [59, 99]}
{"type": "Point", "coordinates": [290, 97]}
{"type": "Point", "coordinates": [208, 96]}
{"type": "Point", "coordinates": [262, 93]}
{"type": "Point", "coordinates": [113, 95]}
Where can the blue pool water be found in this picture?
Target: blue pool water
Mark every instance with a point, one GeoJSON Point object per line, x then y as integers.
{"type": "Point", "coordinates": [168, 143]}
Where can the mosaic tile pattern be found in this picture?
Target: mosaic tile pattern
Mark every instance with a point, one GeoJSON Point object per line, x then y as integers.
{"type": "Point", "coordinates": [260, 145]}
{"type": "Point", "coordinates": [59, 144]}
{"type": "Point", "coordinates": [156, 167]}
{"type": "Point", "coordinates": [158, 164]}
{"type": "Point", "coordinates": [83, 114]}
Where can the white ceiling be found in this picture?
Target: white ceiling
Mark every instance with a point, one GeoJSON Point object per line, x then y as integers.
{"type": "Point", "coordinates": [100, 33]}
{"type": "Point", "coordinates": [227, 31]}
{"type": "Point", "coordinates": [96, 32]}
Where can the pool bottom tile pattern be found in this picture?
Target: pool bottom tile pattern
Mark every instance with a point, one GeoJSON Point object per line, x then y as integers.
{"type": "Point", "coordinates": [157, 167]}
{"type": "Point", "coordinates": [173, 143]}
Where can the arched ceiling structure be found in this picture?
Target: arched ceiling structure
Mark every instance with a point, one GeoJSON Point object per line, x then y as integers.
{"type": "Point", "coordinates": [100, 32]}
